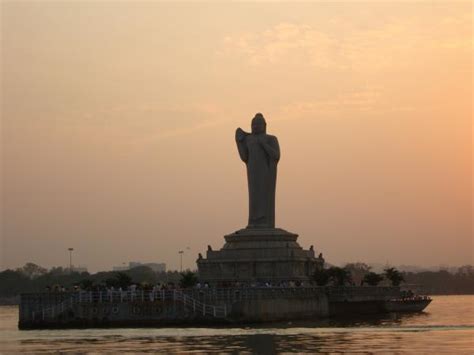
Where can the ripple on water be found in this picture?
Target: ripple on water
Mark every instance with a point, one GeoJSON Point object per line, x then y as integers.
{"type": "Point", "coordinates": [447, 326]}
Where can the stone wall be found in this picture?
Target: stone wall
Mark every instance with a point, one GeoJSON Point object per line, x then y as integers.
{"type": "Point", "coordinates": [284, 306]}
{"type": "Point", "coordinates": [199, 306]}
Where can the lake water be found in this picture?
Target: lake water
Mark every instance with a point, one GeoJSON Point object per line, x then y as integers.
{"type": "Point", "coordinates": [446, 326]}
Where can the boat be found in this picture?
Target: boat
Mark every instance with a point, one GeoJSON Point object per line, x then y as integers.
{"type": "Point", "coordinates": [410, 304]}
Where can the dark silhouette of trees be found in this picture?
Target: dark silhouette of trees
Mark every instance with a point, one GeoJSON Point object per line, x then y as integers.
{"type": "Point", "coordinates": [443, 282]}
{"type": "Point", "coordinates": [339, 276]}
{"type": "Point", "coordinates": [394, 276]}
{"type": "Point", "coordinates": [32, 270]}
{"type": "Point", "coordinates": [321, 277]}
{"type": "Point", "coordinates": [12, 283]}
{"type": "Point", "coordinates": [188, 279]}
{"type": "Point", "coordinates": [31, 278]}
{"type": "Point", "coordinates": [372, 279]}
{"type": "Point", "coordinates": [86, 284]}
{"type": "Point", "coordinates": [120, 280]}
{"type": "Point", "coordinates": [123, 280]}
{"type": "Point", "coordinates": [358, 271]}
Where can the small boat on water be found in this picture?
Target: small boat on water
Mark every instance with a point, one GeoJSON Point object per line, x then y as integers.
{"type": "Point", "coordinates": [411, 304]}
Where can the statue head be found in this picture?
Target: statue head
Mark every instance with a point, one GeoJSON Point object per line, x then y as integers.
{"type": "Point", "coordinates": [258, 124]}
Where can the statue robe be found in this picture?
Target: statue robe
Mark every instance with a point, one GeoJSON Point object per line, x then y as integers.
{"type": "Point", "coordinates": [261, 154]}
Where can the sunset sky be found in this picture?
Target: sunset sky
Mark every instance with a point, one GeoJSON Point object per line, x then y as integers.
{"type": "Point", "coordinates": [118, 123]}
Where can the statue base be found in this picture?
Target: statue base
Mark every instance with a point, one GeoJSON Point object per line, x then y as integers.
{"type": "Point", "coordinates": [258, 255]}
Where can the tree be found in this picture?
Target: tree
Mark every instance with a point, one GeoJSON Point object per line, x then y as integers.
{"type": "Point", "coordinates": [340, 276]}
{"type": "Point", "coordinates": [465, 270]}
{"type": "Point", "coordinates": [123, 280]}
{"type": "Point", "coordinates": [58, 270]}
{"type": "Point", "coordinates": [111, 282]}
{"type": "Point", "coordinates": [358, 270]}
{"type": "Point", "coordinates": [32, 270]}
{"type": "Point", "coordinates": [372, 279]}
{"type": "Point", "coordinates": [188, 279]}
{"type": "Point", "coordinates": [321, 277]}
{"type": "Point", "coordinates": [86, 284]}
{"type": "Point", "coordinates": [13, 283]}
{"type": "Point", "coordinates": [141, 274]}
{"type": "Point", "coordinates": [394, 276]}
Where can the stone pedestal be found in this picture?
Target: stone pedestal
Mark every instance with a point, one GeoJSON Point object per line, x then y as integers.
{"type": "Point", "coordinates": [258, 255]}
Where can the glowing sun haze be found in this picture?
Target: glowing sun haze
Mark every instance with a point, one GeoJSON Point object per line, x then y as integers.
{"type": "Point", "coordinates": [118, 123]}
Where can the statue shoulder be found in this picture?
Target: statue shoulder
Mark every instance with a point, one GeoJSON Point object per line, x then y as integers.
{"type": "Point", "coordinates": [272, 139]}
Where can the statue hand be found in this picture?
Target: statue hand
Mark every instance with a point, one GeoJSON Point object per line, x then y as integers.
{"type": "Point", "coordinates": [240, 134]}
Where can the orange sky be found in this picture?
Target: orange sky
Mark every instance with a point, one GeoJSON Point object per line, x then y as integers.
{"type": "Point", "coordinates": [118, 121]}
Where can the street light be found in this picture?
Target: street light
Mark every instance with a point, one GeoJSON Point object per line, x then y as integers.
{"type": "Point", "coordinates": [181, 252]}
{"type": "Point", "coordinates": [70, 258]}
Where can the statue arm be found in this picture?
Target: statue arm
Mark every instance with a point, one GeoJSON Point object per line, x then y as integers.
{"type": "Point", "coordinates": [240, 136]}
{"type": "Point", "coordinates": [272, 148]}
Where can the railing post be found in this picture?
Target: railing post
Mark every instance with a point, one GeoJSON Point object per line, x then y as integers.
{"type": "Point", "coordinates": [194, 305]}
{"type": "Point", "coordinates": [225, 309]}
{"type": "Point", "coordinates": [203, 309]}
{"type": "Point", "coordinates": [214, 310]}
{"type": "Point", "coordinates": [100, 296]}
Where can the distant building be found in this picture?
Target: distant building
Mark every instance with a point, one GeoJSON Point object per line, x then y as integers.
{"type": "Point", "coordinates": [157, 267]}
{"type": "Point", "coordinates": [80, 268]}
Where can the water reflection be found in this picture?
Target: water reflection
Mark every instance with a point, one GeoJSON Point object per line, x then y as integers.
{"type": "Point", "coordinates": [327, 341]}
{"type": "Point", "coordinates": [448, 327]}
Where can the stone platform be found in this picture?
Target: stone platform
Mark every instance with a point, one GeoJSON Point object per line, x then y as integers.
{"type": "Point", "coordinates": [258, 255]}
{"type": "Point", "coordinates": [206, 306]}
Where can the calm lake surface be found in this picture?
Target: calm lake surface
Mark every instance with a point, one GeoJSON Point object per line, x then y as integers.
{"type": "Point", "coordinates": [446, 326]}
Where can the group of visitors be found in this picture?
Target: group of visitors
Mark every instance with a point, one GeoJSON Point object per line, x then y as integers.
{"type": "Point", "coordinates": [262, 284]}
{"type": "Point", "coordinates": [104, 287]}
{"type": "Point", "coordinates": [171, 286]}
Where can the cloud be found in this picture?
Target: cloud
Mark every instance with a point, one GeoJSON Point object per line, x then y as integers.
{"type": "Point", "coordinates": [351, 47]}
{"type": "Point", "coordinates": [295, 43]}
{"type": "Point", "coordinates": [365, 100]}
{"type": "Point", "coordinates": [137, 125]}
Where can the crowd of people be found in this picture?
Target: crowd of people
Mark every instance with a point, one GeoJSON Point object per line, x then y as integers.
{"type": "Point", "coordinates": [261, 284]}
{"type": "Point", "coordinates": [205, 285]}
{"type": "Point", "coordinates": [171, 285]}
{"type": "Point", "coordinates": [104, 287]}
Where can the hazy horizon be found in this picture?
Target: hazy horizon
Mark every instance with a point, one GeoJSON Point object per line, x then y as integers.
{"type": "Point", "coordinates": [118, 123]}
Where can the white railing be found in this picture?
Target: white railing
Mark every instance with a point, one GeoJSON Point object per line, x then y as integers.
{"type": "Point", "coordinates": [199, 307]}
{"type": "Point", "coordinates": [53, 311]}
{"type": "Point", "coordinates": [92, 297]}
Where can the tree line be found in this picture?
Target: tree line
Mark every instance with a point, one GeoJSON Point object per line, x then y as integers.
{"type": "Point", "coordinates": [441, 282]}
{"type": "Point", "coordinates": [34, 278]}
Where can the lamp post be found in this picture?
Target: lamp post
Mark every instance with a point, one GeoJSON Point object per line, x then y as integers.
{"type": "Point", "coordinates": [70, 259]}
{"type": "Point", "coordinates": [181, 252]}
